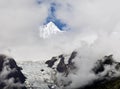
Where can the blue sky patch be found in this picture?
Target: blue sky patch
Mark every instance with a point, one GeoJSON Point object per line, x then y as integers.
{"type": "Point", "coordinates": [39, 1]}
{"type": "Point", "coordinates": [52, 17]}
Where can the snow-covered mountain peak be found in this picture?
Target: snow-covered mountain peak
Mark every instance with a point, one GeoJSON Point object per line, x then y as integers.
{"type": "Point", "coordinates": [48, 30]}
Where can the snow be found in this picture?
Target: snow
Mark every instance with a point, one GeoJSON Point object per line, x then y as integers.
{"type": "Point", "coordinates": [39, 76]}
{"type": "Point", "coordinates": [35, 77]}
{"type": "Point", "coordinates": [48, 30]}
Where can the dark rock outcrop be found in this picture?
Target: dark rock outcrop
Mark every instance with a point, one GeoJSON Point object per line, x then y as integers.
{"type": "Point", "coordinates": [73, 55]}
{"type": "Point", "coordinates": [113, 83]}
{"type": "Point", "coordinates": [62, 67]}
{"type": "Point", "coordinates": [107, 61]}
{"type": "Point", "coordinates": [99, 67]}
{"type": "Point", "coordinates": [51, 62]}
{"type": "Point", "coordinates": [108, 80]}
{"type": "Point", "coordinates": [11, 76]}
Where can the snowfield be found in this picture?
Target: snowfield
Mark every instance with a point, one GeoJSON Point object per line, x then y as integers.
{"type": "Point", "coordinates": [36, 78]}
{"type": "Point", "coordinates": [49, 75]}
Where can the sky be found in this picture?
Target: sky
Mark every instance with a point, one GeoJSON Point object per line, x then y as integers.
{"type": "Point", "coordinates": [52, 17]}
{"type": "Point", "coordinates": [87, 23]}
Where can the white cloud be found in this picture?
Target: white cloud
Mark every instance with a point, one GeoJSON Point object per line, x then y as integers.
{"type": "Point", "coordinates": [95, 22]}
{"type": "Point", "coordinates": [88, 19]}
{"type": "Point", "coordinates": [19, 19]}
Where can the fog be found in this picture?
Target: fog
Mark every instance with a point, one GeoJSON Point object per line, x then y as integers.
{"type": "Point", "coordinates": [91, 22]}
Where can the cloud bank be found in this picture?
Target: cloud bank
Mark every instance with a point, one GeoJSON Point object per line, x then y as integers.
{"type": "Point", "coordinates": [91, 22]}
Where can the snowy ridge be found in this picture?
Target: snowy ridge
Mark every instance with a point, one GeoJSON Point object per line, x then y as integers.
{"type": "Point", "coordinates": [48, 30]}
{"type": "Point", "coordinates": [60, 72]}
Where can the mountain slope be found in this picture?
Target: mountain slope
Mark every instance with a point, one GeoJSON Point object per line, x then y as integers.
{"type": "Point", "coordinates": [11, 76]}
{"type": "Point", "coordinates": [59, 72]}
{"type": "Point", "coordinates": [113, 83]}
{"type": "Point", "coordinates": [48, 30]}
{"type": "Point", "coordinates": [111, 78]}
{"type": "Point", "coordinates": [106, 71]}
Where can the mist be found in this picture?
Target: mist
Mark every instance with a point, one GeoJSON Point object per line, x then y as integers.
{"type": "Point", "coordinates": [94, 32]}
{"type": "Point", "coordinates": [92, 22]}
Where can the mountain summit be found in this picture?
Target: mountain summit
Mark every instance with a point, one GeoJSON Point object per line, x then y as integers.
{"type": "Point", "coordinates": [48, 29]}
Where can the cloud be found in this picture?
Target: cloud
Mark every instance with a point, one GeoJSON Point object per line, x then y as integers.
{"type": "Point", "coordinates": [94, 30]}
{"type": "Point", "coordinates": [19, 20]}
{"type": "Point", "coordinates": [89, 20]}
{"type": "Point", "coordinates": [97, 15]}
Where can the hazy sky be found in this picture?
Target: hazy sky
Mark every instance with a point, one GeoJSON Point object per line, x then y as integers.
{"type": "Point", "coordinates": [95, 22]}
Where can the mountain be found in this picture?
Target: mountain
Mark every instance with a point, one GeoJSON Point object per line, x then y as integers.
{"type": "Point", "coordinates": [109, 79]}
{"type": "Point", "coordinates": [11, 76]}
{"type": "Point", "coordinates": [48, 30]}
{"type": "Point", "coordinates": [106, 70]}
{"type": "Point", "coordinates": [59, 73]}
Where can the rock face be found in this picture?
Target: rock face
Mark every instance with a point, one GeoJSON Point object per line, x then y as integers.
{"type": "Point", "coordinates": [11, 76]}
{"type": "Point", "coordinates": [113, 83]}
{"type": "Point", "coordinates": [61, 66]}
{"type": "Point", "coordinates": [107, 61]}
{"type": "Point", "coordinates": [59, 73]}
{"type": "Point", "coordinates": [51, 62]}
{"type": "Point", "coordinates": [106, 70]}
{"type": "Point", "coordinates": [109, 79]}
